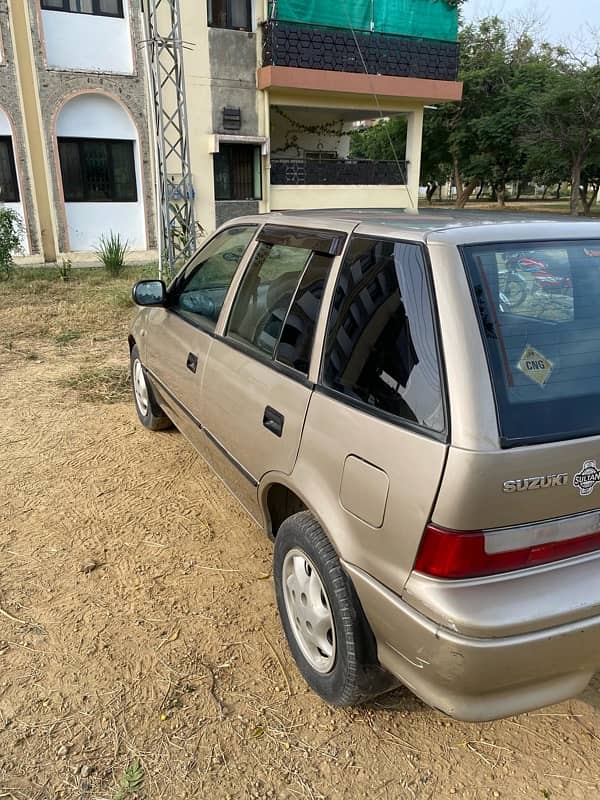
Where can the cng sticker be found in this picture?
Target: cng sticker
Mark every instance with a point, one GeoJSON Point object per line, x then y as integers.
{"type": "Point", "coordinates": [535, 365]}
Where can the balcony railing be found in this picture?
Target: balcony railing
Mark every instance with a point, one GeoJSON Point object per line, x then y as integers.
{"type": "Point", "coordinates": [337, 172]}
{"type": "Point", "coordinates": [288, 44]}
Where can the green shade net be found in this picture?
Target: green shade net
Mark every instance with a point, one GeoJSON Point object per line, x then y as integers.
{"type": "Point", "coordinates": [343, 14]}
{"type": "Point", "coordinates": [429, 19]}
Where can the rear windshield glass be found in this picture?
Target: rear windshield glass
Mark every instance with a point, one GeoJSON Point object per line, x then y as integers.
{"type": "Point", "coordinates": [539, 310]}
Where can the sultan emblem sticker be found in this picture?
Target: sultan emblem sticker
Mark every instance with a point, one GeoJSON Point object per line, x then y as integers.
{"type": "Point", "coordinates": [587, 478]}
{"type": "Point", "coordinates": [535, 365]}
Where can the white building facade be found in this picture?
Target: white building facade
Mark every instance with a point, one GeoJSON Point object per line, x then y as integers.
{"type": "Point", "coordinates": [81, 135]}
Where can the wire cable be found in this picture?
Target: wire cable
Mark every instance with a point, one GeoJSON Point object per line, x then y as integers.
{"type": "Point", "coordinates": [376, 98]}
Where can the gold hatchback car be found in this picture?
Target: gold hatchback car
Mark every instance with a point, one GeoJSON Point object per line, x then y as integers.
{"type": "Point", "coordinates": [410, 407]}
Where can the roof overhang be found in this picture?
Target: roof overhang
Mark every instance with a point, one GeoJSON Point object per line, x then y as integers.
{"type": "Point", "coordinates": [320, 80]}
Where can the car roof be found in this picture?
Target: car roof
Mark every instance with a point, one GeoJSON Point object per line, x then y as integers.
{"type": "Point", "coordinates": [450, 226]}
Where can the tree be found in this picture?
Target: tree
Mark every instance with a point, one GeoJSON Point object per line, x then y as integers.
{"type": "Point", "coordinates": [501, 75]}
{"type": "Point", "coordinates": [384, 141]}
{"type": "Point", "coordinates": [590, 181]}
{"type": "Point", "coordinates": [567, 118]}
{"type": "Point", "coordinates": [436, 159]}
{"type": "Point", "coordinates": [528, 110]}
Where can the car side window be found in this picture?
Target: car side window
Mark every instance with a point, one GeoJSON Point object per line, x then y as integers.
{"type": "Point", "coordinates": [265, 294]}
{"type": "Point", "coordinates": [199, 292]}
{"type": "Point", "coordinates": [380, 347]}
{"type": "Point", "coordinates": [298, 333]}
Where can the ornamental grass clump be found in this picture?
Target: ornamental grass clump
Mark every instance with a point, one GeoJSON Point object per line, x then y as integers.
{"type": "Point", "coordinates": [112, 250]}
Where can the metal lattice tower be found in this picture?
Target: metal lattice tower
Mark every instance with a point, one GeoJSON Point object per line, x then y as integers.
{"type": "Point", "coordinates": [175, 192]}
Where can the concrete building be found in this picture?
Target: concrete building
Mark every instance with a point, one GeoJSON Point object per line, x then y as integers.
{"type": "Point", "coordinates": [75, 153]}
{"type": "Point", "coordinates": [274, 88]}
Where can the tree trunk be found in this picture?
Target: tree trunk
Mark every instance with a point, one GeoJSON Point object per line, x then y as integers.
{"type": "Point", "coordinates": [501, 195]}
{"type": "Point", "coordinates": [590, 199]}
{"type": "Point", "coordinates": [458, 179]}
{"type": "Point", "coordinates": [462, 198]}
{"type": "Point", "coordinates": [544, 192]}
{"type": "Point", "coordinates": [519, 189]}
{"type": "Point", "coordinates": [480, 190]}
{"type": "Point", "coordinates": [558, 188]}
{"type": "Point", "coordinates": [431, 187]}
{"type": "Point", "coordinates": [575, 190]}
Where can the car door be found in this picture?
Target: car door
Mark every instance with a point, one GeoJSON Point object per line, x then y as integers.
{"type": "Point", "coordinates": [256, 389]}
{"type": "Point", "coordinates": [374, 442]}
{"type": "Point", "coordinates": [180, 334]}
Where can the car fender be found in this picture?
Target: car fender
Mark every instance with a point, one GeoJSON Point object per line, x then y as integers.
{"type": "Point", "coordinates": [138, 334]}
{"type": "Point", "coordinates": [318, 498]}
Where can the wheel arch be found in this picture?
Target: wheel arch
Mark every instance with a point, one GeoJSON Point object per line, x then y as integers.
{"type": "Point", "coordinates": [279, 500]}
{"type": "Point", "coordinates": [280, 497]}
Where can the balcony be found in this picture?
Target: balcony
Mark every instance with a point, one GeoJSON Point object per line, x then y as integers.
{"type": "Point", "coordinates": [337, 172]}
{"type": "Point", "coordinates": [302, 46]}
{"type": "Point", "coordinates": [336, 183]}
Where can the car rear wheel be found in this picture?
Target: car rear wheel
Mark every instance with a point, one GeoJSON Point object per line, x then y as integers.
{"type": "Point", "coordinates": [322, 618]}
{"type": "Point", "coordinates": [149, 412]}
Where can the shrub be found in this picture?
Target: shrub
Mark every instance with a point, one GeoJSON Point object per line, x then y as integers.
{"type": "Point", "coordinates": [11, 231]}
{"type": "Point", "coordinates": [65, 268]}
{"type": "Point", "coordinates": [111, 251]}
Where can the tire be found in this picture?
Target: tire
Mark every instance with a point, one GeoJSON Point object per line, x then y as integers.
{"type": "Point", "coordinates": [325, 626]}
{"type": "Point", "coordinates": [149, 412]}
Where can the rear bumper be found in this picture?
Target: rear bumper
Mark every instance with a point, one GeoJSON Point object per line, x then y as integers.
{"type": "Point", "coordinates": [478, 679]}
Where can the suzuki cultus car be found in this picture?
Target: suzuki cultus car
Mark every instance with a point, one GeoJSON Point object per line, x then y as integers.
{"type": "Point", "coordinates": [410, 407]}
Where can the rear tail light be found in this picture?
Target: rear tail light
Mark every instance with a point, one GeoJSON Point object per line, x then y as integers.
{"type": "Point", "coordinates": [471, 554]}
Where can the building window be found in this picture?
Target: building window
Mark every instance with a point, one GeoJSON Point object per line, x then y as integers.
{"type": "Point", "coordinates": [238, 172]}
{"type": "Point", "coordinates": [97, 170]}
{"type": "Point", "coordinates": [234, 14]}
{"type": "Point", "coordinates": [100, 8]}
{"type": "Point", "coordinates": [9, 186]}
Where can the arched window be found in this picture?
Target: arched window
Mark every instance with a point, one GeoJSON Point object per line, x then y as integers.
{"type": "Point", "coordinates": [98, 151]}
{"type": "Point", "coordinates": [9, 184]}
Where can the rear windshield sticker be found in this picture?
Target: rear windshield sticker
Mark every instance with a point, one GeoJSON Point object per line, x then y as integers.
{"type": "Point", "coordinates": [535, 365]}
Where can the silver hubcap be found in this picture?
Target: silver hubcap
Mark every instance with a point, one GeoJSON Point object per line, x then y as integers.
{"type": "Point", "coordinates": [308, 610]}
{"type": "Point", "coordinates": [139, 387]}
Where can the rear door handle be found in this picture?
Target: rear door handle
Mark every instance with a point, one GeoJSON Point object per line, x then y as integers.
{"type": "Point", "coordinates": [192, 362]}
{"type": "Point", "coordinates": [273, 421]}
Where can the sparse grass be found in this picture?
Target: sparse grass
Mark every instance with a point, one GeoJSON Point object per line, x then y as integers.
{"type": "Point", "coordinates": [526, 206]}
{"type": "Point", "coordinates": [68, 336]}
{"type": "Point", "coordinates": [119, 298]}
{"type": "Point", "coordinates": [90, 301]}
{"type": "Point", "coordinates": [107, 384]}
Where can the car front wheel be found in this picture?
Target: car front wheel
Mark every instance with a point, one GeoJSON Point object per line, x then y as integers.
{"type": "Point", "coordinates": [149, 412]}
{"type": "Point", "coordinates": [322, 618]}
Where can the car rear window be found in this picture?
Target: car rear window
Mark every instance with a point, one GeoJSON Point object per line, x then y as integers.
{"type": "Point", "coordinates": [539, 311]}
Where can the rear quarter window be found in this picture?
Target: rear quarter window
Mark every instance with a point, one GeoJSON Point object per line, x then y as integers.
{"type": "Point", "coordinates": [538, 305]}
{"type": "Point", "coordinates": [381, 346]}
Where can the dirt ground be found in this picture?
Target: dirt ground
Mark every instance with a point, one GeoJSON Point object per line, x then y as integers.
{"type": "Point", "coordinates": [140, 650]}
